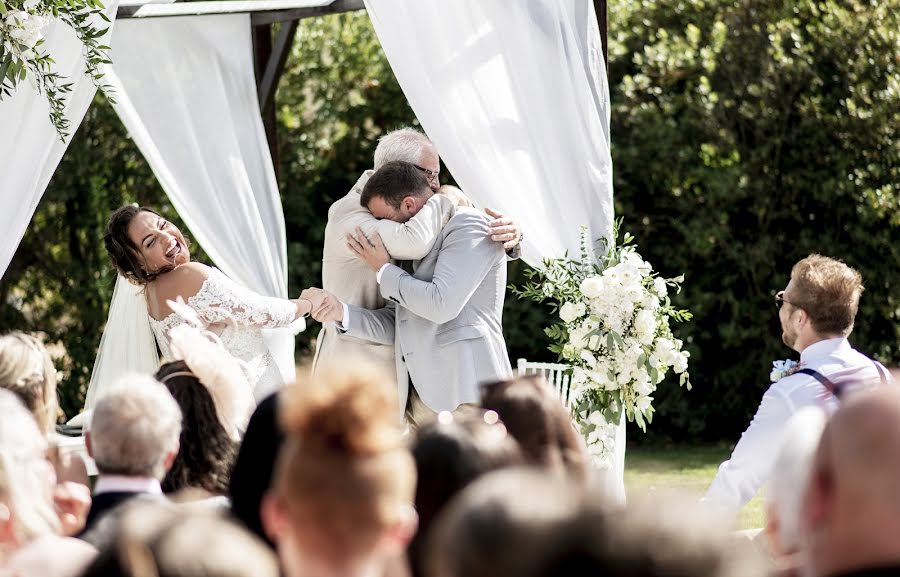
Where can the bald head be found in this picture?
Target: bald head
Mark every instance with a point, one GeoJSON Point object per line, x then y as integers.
{"type": "Point", "coordinates": [852, 512]}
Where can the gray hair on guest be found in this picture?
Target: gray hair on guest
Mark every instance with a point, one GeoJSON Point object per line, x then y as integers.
{"type": "Point", "coordinates": [790, 477]}
{"type": "Point", "coordinates": [404, 144]}
{"type": "Point", "coordinates": [134, 427]}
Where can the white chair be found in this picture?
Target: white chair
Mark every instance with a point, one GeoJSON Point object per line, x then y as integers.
{"type": "Point", "coordinates": [554, 373]}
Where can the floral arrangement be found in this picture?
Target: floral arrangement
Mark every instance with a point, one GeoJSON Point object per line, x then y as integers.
{"type": "Point", "coordinates": [782, 369]}
{"type": "Point", "coordinates": [22, 55]}
{"type": "Point", "coordinates": [614, 333]}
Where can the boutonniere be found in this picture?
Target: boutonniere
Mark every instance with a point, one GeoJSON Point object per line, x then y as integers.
{"type": "Point", "coordinates": [782, 369]}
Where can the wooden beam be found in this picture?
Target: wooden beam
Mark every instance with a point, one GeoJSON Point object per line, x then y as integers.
{"type": "Point", "coordinates": [265, 11]}
{"type": "Point", "coordinates": [262, 53]}
{"type": "Point", "coordinates": [337, 7]}
{"type": "Point", "coordinates": [600, 9]}
{"type": "Point", "coordinates": [274, 69]}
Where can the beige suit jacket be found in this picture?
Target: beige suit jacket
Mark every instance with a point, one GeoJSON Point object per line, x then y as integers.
{"type": "Point", "coordinates": [351, 280]}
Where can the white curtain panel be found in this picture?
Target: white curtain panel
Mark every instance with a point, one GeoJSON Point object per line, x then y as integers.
{"type": "Point", "coordinates": [30, 148]}
{"type": "Point", "coordinates": [515, 96]}
{"type": "Point", "coordinates": [187, 95]}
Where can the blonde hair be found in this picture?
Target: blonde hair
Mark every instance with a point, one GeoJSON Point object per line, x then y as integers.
{"type": "Point", "coordinates": [27, 370]}
{"type": "Point", "coordinates": [21, 449]}
{"type": "Point", "coordinates": [344, 474]}
{"type": "Point", "coordinates": [828, 290]}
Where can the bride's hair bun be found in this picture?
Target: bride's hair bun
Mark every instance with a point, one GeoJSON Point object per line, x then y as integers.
{"type": "Point", "coordinates": [349, 409]}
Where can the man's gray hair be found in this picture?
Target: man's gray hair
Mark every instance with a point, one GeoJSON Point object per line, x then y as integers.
{"type": "Point", "coordinates": [133, 427]}
{"type": "Point", "coordinates": [403, 144]}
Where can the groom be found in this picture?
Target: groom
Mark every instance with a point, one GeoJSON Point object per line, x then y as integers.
{"type": "Point", "coordinates": [444, 317]}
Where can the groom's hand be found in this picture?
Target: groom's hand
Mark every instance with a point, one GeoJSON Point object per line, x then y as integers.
{"type": "Point", "coordinates": [325, 306]}
{"type": "Point", "coordinates": [370, 250]}
{"type": "Point", "coordinates": [504, 229]}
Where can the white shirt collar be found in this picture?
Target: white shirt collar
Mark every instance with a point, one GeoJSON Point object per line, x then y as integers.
{"type": "Point", "coordinates": [824, 349]}
{"type": "Point", "coordinates": [122, 484]}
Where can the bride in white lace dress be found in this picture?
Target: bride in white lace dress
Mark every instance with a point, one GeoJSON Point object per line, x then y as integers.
{"type": "Point", "coordinates": [150, 251]}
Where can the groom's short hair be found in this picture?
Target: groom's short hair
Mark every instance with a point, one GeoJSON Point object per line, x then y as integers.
{"type": "Point", "coordinates": [393, 182]}
{"type": "Point", "coordinates": [828, 290]}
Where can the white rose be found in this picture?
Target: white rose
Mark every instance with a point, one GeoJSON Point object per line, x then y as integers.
{"type": "Point", "coordinates": [645, 326]}
{"type": "Point", "coordinates": [570, 312]}
{"type": "Point", "coordinates": [594, 343]}
{"type": "Point", "coordinates": [659, 285]}
{"type": "Point", "coordinates": [579, 376]}
{"type": "Point", "coordinates": [680, 363]}
{"type": "Point", "coordinates": [588, 358]}
{"type": "Point", "coordinates": [592, 287]}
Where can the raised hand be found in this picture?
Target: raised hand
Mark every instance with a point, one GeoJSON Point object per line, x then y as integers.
{"type": "Point", "coordinates": [504, 229]}
{"type": "Point", "coordinates": [370, 250]}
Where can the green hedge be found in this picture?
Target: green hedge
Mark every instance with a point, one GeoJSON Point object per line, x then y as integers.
{"type": "Point", "coordinates": [746, 134]}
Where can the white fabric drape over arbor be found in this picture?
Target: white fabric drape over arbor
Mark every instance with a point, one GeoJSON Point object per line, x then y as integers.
{"type": "Point", "coordinates": [515, 96]}
{"type": "Point", "coordinates": [187, 95]}
{"type": "Point", "coordinates": [30, 148]}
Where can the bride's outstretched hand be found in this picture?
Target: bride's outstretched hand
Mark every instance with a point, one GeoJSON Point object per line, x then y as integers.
{"type": "Point", "coordinates": [325, 306]}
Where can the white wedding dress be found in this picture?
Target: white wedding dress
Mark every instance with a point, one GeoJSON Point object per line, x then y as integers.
{"type": "Point", "coordinates": [237, 315]}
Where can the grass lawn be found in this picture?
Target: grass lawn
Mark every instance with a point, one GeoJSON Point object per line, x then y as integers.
{"type": "Point", "coordinates": [687, 470]}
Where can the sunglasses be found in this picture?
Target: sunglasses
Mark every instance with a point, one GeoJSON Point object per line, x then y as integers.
{"type": "Point", "coordinates": [780, 300]}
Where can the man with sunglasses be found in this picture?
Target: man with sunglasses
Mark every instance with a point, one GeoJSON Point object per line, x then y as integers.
{"type": "Point", "coordinates": [350, 279]}
{"type": "Point", "coordinates": [817, 310]}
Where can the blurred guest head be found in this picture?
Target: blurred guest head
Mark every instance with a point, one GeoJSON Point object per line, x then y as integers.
{"type": "Point", "coordinates": [206, 450]}
{"type": "Point", "coordinates": [251, 477]}
{"type": "Point", "coordinates": [534, 415]}
{"type": "Point", "coordinates": [341, 501]}
{"type": "Point", "coordinates": [517, 523]}
{"type": "Point", "coordinates": [159, 541]}
{"type": "Point", "coordinates": [27, 370]}
{"type": "Point", "coordinates": [790, 477]}
{"type": "Point", "coordinates": [450, 453]}
{"type": "Point", "coordinates": [26, 478]}
{"type": "Point", "coordinates": [134, 429]}
{"type": "Point", "coordinates": [819, 302]}
{"type": "Point", "coordinates": [851, 516]}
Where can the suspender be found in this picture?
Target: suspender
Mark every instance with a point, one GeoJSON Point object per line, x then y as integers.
{"type": "Point", "coordinates": [834, 389]}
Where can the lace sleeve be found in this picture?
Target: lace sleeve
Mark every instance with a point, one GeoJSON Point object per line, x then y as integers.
{"type": "Point", "coordinates": [221, 300]}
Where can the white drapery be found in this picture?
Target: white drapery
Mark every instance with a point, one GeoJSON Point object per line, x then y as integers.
{"type": "Point", "coordinates": [515, 96]}
{"type": "Point", "coordinates": [187, 95]}
{"type": "Point", "coordinates": [30, 148]}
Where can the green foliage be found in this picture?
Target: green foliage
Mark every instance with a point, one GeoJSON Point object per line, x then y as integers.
{"type": "Point", "coordinates": [748, 134]}
{"type": "Point", "coordinates": [22, 55]}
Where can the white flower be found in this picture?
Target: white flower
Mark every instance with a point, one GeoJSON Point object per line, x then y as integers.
{"type": "Point", "coordinates": [579, 376]}
{"type": "Point", "coordinates": [680, 363]}
{"type": "Point", "coordinates": [570, 312]}
{"type": "Point", "coordinates": [645, 326]}
{"type": "Point", "coordinates": [549, 288]}
{"type": "Point", "coordinates": [592, 287]}
{"type": "Point", "coordinates": [643, 403]}
{"type": "Point", "coordinates": [659, 285]}
{"type": "Point", "coordinates": [588, 358]}
{"type": "Point", "coordinates": [781, 369]}
{"type": "Point", "coordinates": [594, 342]}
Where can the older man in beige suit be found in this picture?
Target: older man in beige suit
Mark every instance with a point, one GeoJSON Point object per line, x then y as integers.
{"type": "Point", "coordinates": [350, 279]}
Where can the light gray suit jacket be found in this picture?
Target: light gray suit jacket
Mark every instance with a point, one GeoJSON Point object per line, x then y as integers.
{"type": "Point", "coordinates": [445, 320]}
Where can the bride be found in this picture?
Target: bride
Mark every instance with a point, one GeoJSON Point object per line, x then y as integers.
{"type": "Point", "coordinates": [153, 255]}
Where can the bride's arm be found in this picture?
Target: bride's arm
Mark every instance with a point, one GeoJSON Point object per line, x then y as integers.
{"type": "Point", "coordinates": [218, 299]}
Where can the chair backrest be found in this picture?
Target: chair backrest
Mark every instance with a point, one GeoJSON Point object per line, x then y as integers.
{"type": "Point", "coordinates": [554, 373]}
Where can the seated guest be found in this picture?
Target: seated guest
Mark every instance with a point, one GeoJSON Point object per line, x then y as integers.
{"type": "Point", "coordinates": [851, 515]}
{"type": "Point", "coordinates": [206, 449]}
{"type": "Point", "coordinates": [342, 497]}
{"type": "Point", "coordinates": [787, 488]}
{"type": "Point", "coordinates": [30, 544]}
{"type": "Point", "coordinates": [817, 310]}
{"type": "Point", "coordinates": [534, 415]}
{"type": "Point", "coordinates": [251, 477]}
{"type": "Point", "coordinates": [166, 542]}
{"type": "Point", "coordinates": [133, 439]}
{"type": "Point", "coordinates": [27, 370]}
{"type": "Point", "coordinates": [528, 523]}
{"type": "Point", "coordinates": [450, 453]}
